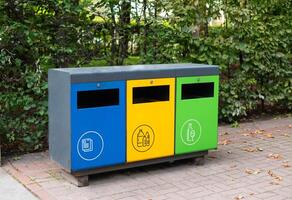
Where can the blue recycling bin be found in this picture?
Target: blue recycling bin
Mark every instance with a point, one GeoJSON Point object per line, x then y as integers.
{"type": "Point", "coordinates": [97, 124]}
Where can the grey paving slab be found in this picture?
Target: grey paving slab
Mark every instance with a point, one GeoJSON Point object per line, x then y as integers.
{"type": "Point", "coordinates": [10, 189]}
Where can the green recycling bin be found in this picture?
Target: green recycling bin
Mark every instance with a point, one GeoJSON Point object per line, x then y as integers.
{"type": "Point", "coordinates": [196, 113]}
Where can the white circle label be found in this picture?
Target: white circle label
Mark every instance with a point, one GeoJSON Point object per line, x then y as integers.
{"type": "Point", "coordinates": [190, 132]}
{"type": "Point", "coordinates": [90, 145]}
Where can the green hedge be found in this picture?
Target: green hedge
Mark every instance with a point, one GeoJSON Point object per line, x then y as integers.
{"type": "Point", "coordinates": [23, 112]}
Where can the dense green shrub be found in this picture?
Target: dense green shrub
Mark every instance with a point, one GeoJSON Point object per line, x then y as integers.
{"type": "Point", "coordinates": [23, 112]}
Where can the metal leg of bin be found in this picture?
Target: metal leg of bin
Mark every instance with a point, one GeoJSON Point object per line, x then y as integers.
{"type": "Point", "coordinates": [80, 181]}
{"type": "Point", "coordinates": [198, 155]}
{"type": "Point", "coordinates": [199, 160]}
{"type": "Point", "coordinates": [80, 178]}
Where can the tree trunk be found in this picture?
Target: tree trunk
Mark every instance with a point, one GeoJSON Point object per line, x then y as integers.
{"type": "Point", "coordinates": [113, 36]}
{"type": "Point", "coordinates": [124, 31]}
{"type": "Point", "coordinates": [145, 32]}
{"type": "Point", "coordinates": [154, 34]}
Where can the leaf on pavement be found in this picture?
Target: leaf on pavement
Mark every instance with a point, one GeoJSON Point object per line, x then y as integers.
{"type": "Point", "coordinates": [249, 149]}
{"type": "Point", "coordinates": [268, 135]}
{"type": "Point", "coordinates": [276, 177]}
{"type": "Point", "coordinates": [225, 142]}
{"type": "Point", "coordinates": [252, 171]}
{"type": "Point", "coordinates": [252, 149]}
{"type": "Point", "coordinates": [239, 197]}
{"type": "Point", "coordinates": [252, 134]}
{"type": "Point", "coordinates": [274, 156]}
{"type": "Point", "coordinates": [290, 125]}
{"type": "Point", "coordinates": [285, 164]}
{"type": "Point", "coordinates": [260, 131]}
{"type": "Point", "coordinates": [248, 171]}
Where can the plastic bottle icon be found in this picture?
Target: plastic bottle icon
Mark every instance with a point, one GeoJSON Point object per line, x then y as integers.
{"type": "Point", "coordinates": [190, 133]}
{"type": "Point", "coordinates": [140, 138]}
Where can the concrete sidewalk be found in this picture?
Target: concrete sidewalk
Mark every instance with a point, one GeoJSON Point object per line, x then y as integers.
{"type": "Point", "coordinates": [10, 189]}
{"type": "Point", "coordinates": [253, 161]}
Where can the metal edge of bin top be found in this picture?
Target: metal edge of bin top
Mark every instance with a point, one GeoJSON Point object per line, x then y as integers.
{"type": "Point", "coordinates": [132, 72]}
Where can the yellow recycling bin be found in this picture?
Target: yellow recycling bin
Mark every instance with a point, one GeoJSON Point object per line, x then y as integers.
{"type": "Point", "coordinates": [150, 118]}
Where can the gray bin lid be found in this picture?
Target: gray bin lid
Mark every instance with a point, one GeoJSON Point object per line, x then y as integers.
{"type": "Point", "coordinates": [132, 72]}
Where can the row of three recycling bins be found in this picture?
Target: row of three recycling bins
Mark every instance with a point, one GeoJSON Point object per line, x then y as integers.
{"type": "Point", "coordinates": [107, 116]}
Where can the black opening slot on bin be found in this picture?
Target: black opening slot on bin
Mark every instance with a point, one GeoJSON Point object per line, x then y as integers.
{"type": "Point", "coordinates": [150, 94]}
{"type": "Point", "coordinates": [97, 98]}
{"type": "Point", "coordinates": [197, 90]}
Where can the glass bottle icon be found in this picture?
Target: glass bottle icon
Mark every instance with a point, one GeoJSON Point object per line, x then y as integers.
{"type": "Point", "coordinates": [190, 133]}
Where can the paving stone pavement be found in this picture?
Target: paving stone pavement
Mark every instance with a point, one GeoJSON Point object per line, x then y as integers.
{"type": "Point", "coordinates": [253, 162]}
{"type": "Point", "coordinates": [10, 189]}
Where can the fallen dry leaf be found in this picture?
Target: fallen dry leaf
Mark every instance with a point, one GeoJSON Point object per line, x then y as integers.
{"type": "Point", "coordinates": [290, 125]}
{"type": "Point", "coordinates": [274, 156]}
{"type": "Point", "coordinates": [285, 164]}
{"type": "Point", "coordinates": [229, 152]}
{"type": "Point", "coordinates": [257, 171]}
{"type": "Point", "coordinates": [285, 134]}
{"type": "Point", "coordinates": [251, 193]}
{"type": "Point", "coordinates": [233, 166]}
{"type": "Point", "coordinates": [276, 177]}
{"type": "Point", "coordinates": [252, 134]}
{"type": "Point", "coordinates": [239, 197]}
{"type": "Point", "coordinates": [249, 149]}
{"type": "Point", "coordinates": [252, 149]}
{"type": "Point", "coordinates": [248, 171]}
{"type": "Point", "coordinates": [225, 142]}
{"type": "Point", "coordinates": [251, 171]}
{"type": "Point", "coordinates": [268, 135]}
{"type": "Point", "coordinates": [260, 131]}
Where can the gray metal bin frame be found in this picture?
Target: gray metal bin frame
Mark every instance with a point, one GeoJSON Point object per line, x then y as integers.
{"type": "Point", "coordinates": [60, 81]}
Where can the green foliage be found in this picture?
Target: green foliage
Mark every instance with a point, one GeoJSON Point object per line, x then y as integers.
{"type": "Point", "coordinates": [252, 46]}
{"type": "Point", "coordinates": [23, 112]}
